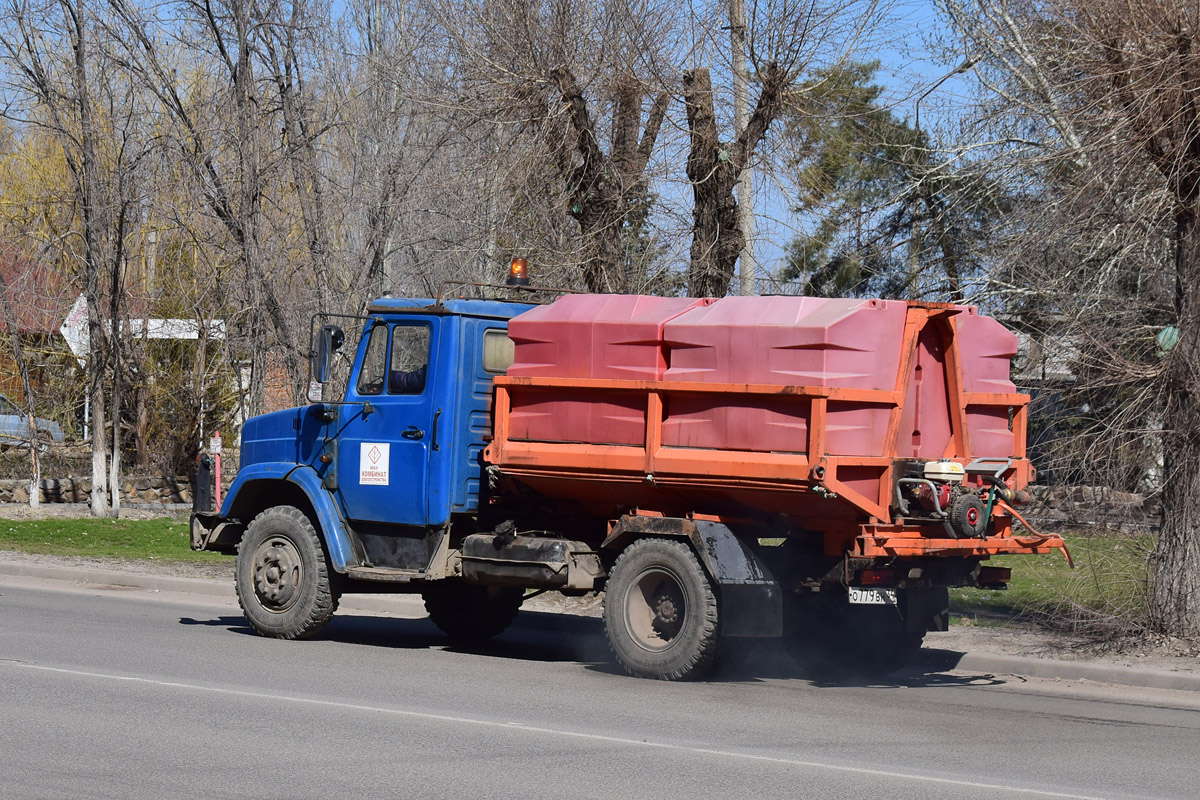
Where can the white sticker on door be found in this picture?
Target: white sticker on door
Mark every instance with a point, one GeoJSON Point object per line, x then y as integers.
{"type": "Point", "coordinates": [373, 461]}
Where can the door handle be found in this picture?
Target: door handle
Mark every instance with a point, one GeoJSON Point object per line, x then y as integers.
{"type": "Point", "coordinates": [414, 433]}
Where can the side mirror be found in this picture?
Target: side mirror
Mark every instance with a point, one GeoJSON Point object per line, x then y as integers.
{"type": "Point", "coordinates": [329, 340]}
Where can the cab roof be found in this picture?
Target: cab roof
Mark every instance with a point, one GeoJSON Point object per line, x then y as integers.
{"type": "Point", "coordinates": [494, 309]}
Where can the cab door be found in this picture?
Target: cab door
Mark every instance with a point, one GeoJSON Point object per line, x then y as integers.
{"type": "Point", "coordinates": [389, 426]}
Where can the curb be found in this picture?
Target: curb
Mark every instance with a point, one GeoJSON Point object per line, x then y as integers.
{"type": "Point", "coordinates": [412, 607]}
{"type": "Point", "coordinates": [1054, 669]}
{"type": "Point", "coordinates": [1073, 670]}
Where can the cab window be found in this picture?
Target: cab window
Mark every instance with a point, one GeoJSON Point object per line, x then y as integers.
{"type": "Point", "coordinates": [410, 359]}
{"type": "Point", "coordinates": [498, 350]}
{"type": "Point", "coordinates": [374, 366]}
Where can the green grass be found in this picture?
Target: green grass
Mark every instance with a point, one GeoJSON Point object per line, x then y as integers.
{"type": "Point", "coordinates": [164, 538]}
{"type": "Point", "coordinates": [1109, 581]}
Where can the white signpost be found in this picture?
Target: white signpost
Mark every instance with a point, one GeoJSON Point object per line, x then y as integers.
{"type": "Point", "coordinates": [75, 330]}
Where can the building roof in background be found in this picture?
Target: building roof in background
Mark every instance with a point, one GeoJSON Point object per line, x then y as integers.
{"type": "Point", "coordinates": [39, 297]}
{"type": "Point", "coordinates": [1044, 358]}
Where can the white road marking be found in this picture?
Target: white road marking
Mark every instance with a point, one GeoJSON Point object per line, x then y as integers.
{"type": "Point", "coordinates": [682, 748]}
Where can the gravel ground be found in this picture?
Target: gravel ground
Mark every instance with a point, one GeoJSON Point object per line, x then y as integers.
{"type": "Point", "coordinates": [221, 570]}
{"type": "Point", "coordinates": [77, 510]}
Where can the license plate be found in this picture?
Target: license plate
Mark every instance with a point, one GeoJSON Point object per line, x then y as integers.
{"type": "Point", "coordinates": [872, 597]}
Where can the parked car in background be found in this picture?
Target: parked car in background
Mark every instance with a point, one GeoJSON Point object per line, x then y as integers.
{"type": "Point", "coordinates": [14, 426]}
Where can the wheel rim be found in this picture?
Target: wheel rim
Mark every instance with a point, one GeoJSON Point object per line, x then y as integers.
{"type": "Point", "coordinates": [655, 609]}
{"type": "Point", "coordinates": [278, 574]}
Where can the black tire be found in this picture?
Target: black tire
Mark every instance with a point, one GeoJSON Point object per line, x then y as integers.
{"type": "Point", "coordinates": [661, 615]}
{"type": "Point", "coordinates": [966, 514]}
{"type": "Point", "coordinates": [471, 611]}
{"type": "Point", "coordinates": [834, 640]}
{"type": "Point", "coordinates": [285, 585]}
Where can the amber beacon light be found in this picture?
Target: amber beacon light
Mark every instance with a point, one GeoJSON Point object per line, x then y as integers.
{"type": "Point", "coordinates": [518, 273]}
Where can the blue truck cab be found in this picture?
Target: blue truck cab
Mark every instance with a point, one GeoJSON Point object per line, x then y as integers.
{"type": "Point", "coordinates": [402, 449]}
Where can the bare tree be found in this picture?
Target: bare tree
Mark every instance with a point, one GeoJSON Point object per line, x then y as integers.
{"type": "Point", "coordinates": [399, 147]}
{"type": "Point", "coordinates": [56, 51]}
{"type": "Point", "coordinates": [1093, 105]}
{"type": "Point", "coordinates": [9, 319]}
{"type": "Point", "coordinates": [223, 136]}
{"type": "Point", "coordinates": [608, 192]}
{"type": "Point", "coordinates": [714, 169]}
{"type": "Point", "coordinates": [579, 92]}
{"type": "Point", "coordinates": [285, 30]}
{"type": "Point", "coordinates": [785, 39]}
{"type": "Point", "coordinates": [302, 155]}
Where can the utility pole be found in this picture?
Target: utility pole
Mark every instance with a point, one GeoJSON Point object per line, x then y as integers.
{"type": "Point", "coordinates": [923, 178]}
{"type": "Point", "coordinates": [741, 101]}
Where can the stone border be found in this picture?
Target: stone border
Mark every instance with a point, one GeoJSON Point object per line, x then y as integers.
{"type": "Point", "coordinates": [143, 489]}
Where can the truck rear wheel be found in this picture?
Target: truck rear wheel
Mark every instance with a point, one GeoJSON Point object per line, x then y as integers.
{"type": "Point", "coordinates": [660, 612]}
{"type": "Point", "coordinates": [285, 585]}
{"type": "Point", "coordinates": [472, 611]}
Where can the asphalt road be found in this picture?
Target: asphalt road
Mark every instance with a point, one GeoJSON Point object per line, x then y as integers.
{"type": "Point", "coordinates": [130, 694]}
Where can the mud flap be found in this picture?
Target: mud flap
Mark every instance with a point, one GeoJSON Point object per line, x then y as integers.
{"type": "Point", "coordinates": [751, 599]}
{"type": "Point", "coordinates": [927, 609]}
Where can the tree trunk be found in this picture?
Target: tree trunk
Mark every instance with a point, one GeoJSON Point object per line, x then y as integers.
{"type": "Point", "coordinates": [1175, 596]}
{"type": "Point", "coordinates": [935, 212]}
{"type": "Point", "coordinates": [741, 115]}
{"type": "Point", "coordinates": [141, 426]}
{"type": "Point", "coordinates": [94, 236]}
{"type": "Point", "coordinates": [95, 371]}
{"type": "Point", "coordinates": [716, 235]}
{"type": "Point", "coordinates": [608, 192]}
{"type": "Point", "coordinates": [714, 168]}
{"type": "Point", "coordinates": [283, 59]}
{"type": "Point", "coordinates": [116, 291]}
{"type": "Point", "coordinates": [10, 323]}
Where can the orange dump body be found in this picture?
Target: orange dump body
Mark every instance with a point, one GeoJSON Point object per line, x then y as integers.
{"type": "Point", "coordinates": [804, 409]}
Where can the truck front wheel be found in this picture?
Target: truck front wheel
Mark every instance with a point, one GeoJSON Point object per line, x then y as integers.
{"type": "Point", "coordinates": [285, 585]}
{"type": "Point", "coordinates": [660, 612]}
